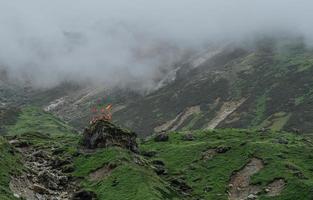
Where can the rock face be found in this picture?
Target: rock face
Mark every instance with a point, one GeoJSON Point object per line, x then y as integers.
{"type": "Point", "coordinates": [102, 134]}
{"type": "Point", "coordinates": [41, 179]}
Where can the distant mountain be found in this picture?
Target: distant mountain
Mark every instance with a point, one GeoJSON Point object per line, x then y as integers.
{"type": "Point", "coordinates": [266, 86]}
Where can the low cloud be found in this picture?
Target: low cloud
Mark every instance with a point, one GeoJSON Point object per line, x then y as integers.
{"type": "Point", "coordinates": [130, 43]}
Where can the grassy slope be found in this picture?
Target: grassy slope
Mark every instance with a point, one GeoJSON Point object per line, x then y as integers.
{"type": "Point", "coordinates": [133, 178]}
{"type": "Point", "coordinates": [9, 164]}
{"type": "Point", "coordinates": [134, 181]}
{"type": "Point", "coordinates": [33, 119]}
{"type": "Point", "coordinates": [127, 181]}
{"type": "Point", "coordinates": [275, 77]}
{"type": "Point", "coordinates": [183, 159]}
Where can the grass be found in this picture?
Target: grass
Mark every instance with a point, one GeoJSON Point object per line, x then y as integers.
{"type": "Point", "coordinates": [276, 122]}
{"type": "Point", "coordinates": [9, 164]}
{"type": "Point", "coordinates": [33, 119]}
{"type": "Point", "coordinates": [182, 158]}
{"type": "Point", "coordinates": [134, 177]}
{"type": "Point", "coordinates": [260, 110]}
{"type": "Point", "coordinates": [127, 181]}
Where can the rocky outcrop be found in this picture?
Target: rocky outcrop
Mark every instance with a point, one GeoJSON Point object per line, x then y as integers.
{"type": "Point", "coordinates": [103, 134]}
{"type": "Point", "coordinates": [42, 177]}
{"type": "Point", "coordinates": [161, 137]}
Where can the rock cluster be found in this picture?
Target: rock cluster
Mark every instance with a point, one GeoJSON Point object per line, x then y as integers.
{"type": "Point", "coordinates": [102, 134]}
{"type": "Point", "coordinates": [44, 177]}
{"type": "Point", "coordinates": [161, 137]}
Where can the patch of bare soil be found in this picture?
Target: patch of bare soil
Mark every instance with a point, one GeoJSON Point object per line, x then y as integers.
{"type": "Point", "coordinates": [42, 178]}
{"type": "Point", "coordinates": [275, 188]}
{"type": "Point", "coordinates": [240, 187]}
{"type": "Point", "coordinates": [101, 173]}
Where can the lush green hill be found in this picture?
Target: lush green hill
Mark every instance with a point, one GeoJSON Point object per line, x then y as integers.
{"type": "Point", "coordinates": [33, 119]}
{"type": "Point", "coordinates": [208, 162]}
{"type": "Point", "coordinates": [191, 165]}
{"type": "Point", "coordinates": [9, 164]}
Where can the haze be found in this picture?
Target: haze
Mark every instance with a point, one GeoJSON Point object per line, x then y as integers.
{"type": "Point", "coordinates": [130, 43]}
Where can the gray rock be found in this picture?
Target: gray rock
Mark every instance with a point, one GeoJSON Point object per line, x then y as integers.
{"type": "Point", "coordinates": [40, 189]}
{"type": "Point", "coordinates": [161, 137]}
{"type": "Point", "coordinates": [104, 134]}
{"type": "Point", "coordinates": [188, 137]}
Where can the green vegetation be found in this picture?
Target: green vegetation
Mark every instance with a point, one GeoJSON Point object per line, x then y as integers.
{"type": "Point", "coordinates": [127, 181]}
{"type": "Point", "coordinates": [276, 122]}
{"type": "Point", "coordinates": [115, 173]}
{"type": "Point", "coordinates": [33, 119]}
{"type": "Point", "coordinates": [260, 110]}
{"type": "Point", "coordinates": [277, 149]}
{"type": "Point", "coordinates": [9, 164]}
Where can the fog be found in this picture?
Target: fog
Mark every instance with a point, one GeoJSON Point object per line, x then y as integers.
{"type": "Point", "coordinates": [130, 43]}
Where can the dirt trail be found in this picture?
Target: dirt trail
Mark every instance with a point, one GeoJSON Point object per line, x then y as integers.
{"type": "Point", "coordinates": [43, 178]}
{"type": "Point", "coordinates": [240, 187]}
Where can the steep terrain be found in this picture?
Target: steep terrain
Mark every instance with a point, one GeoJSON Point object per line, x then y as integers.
{"type": "Point", "coordinates": [267, 86]}
{"type": "Point", "coordinates": [201, 164]}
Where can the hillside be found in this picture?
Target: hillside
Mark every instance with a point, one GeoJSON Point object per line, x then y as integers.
{"type": "Point", "coordinates": [266, 87]}
{"type": "Point", "coordinates": [233, 86]}
{"type": "Point", "coordinates": [202, 164]}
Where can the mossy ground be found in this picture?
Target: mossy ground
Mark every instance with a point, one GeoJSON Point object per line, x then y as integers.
{"type": "Point", "coordinates": [285, 155]}
{"type": "Point", "coordinates": [33, 119]}
{"type": "Point", "coordinates": [9, 165]}
{"type": "Point", "coordinates": [183, 160]}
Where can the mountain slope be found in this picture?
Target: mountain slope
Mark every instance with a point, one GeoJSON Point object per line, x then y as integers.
{"type": "Point", "coordinates": [202, 164]}
{"type": "Point", "coordinates": [265, 87]}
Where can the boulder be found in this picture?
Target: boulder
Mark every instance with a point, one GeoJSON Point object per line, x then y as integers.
{"type": "Point", "coordinates": [19, 143]}
{"type": "Point", "coordinates": [103, 134]}
{"type": "Point", "coordinates": [222, 149]}
{"type": "Point", "coordinates": [181, 185]}
{"type": "Point", "coordinates": [149, 153]}
{"type": "Point", "coordinates": [83, 195]}
{"type": "Point", "coordinates": [159, 167]}
{"type": "Point", "coordinates": [252, 196]}
{"type": "Point", "coordinates": [188, 137]}
{"type": "Point", "coordinates": [161, 137]}
{"type": "Point", "coordinates": [40, 189]}
{"type": "Point", "coordinates": [282, 141]}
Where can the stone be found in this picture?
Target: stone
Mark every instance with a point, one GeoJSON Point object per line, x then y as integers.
{"type": "Point", "coordinates": [19, 143]}
{"type": "Point", "coordinates": [188, 137]}
{"type": "Point", "coordinates": [68, 169]}
{"type": "Point", "coordinates": [83, 195]}
{"type": "Point", "coordinates": [181, 185]}
{"type": "Point", "coordinates": [149, 153]}
{"type": "Point", "coordinates": [103, 134]}
{"type": "Point", "coordinates": [161, 137]}
{"type": "Point", "coordinates": [158, 162]}
{"type": "Point", "coordinates": [252, 196]}
{"type": "Point", "coordinates": [282, 141]}
{"type": "Point", "coordinates": [50, 180]}
{"type": "Point", "coordinates": [222, 149]}
{"type": "Point", "coordinates": [40, 189]}
{"type": "Point", "coordinates": [207, 189]}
